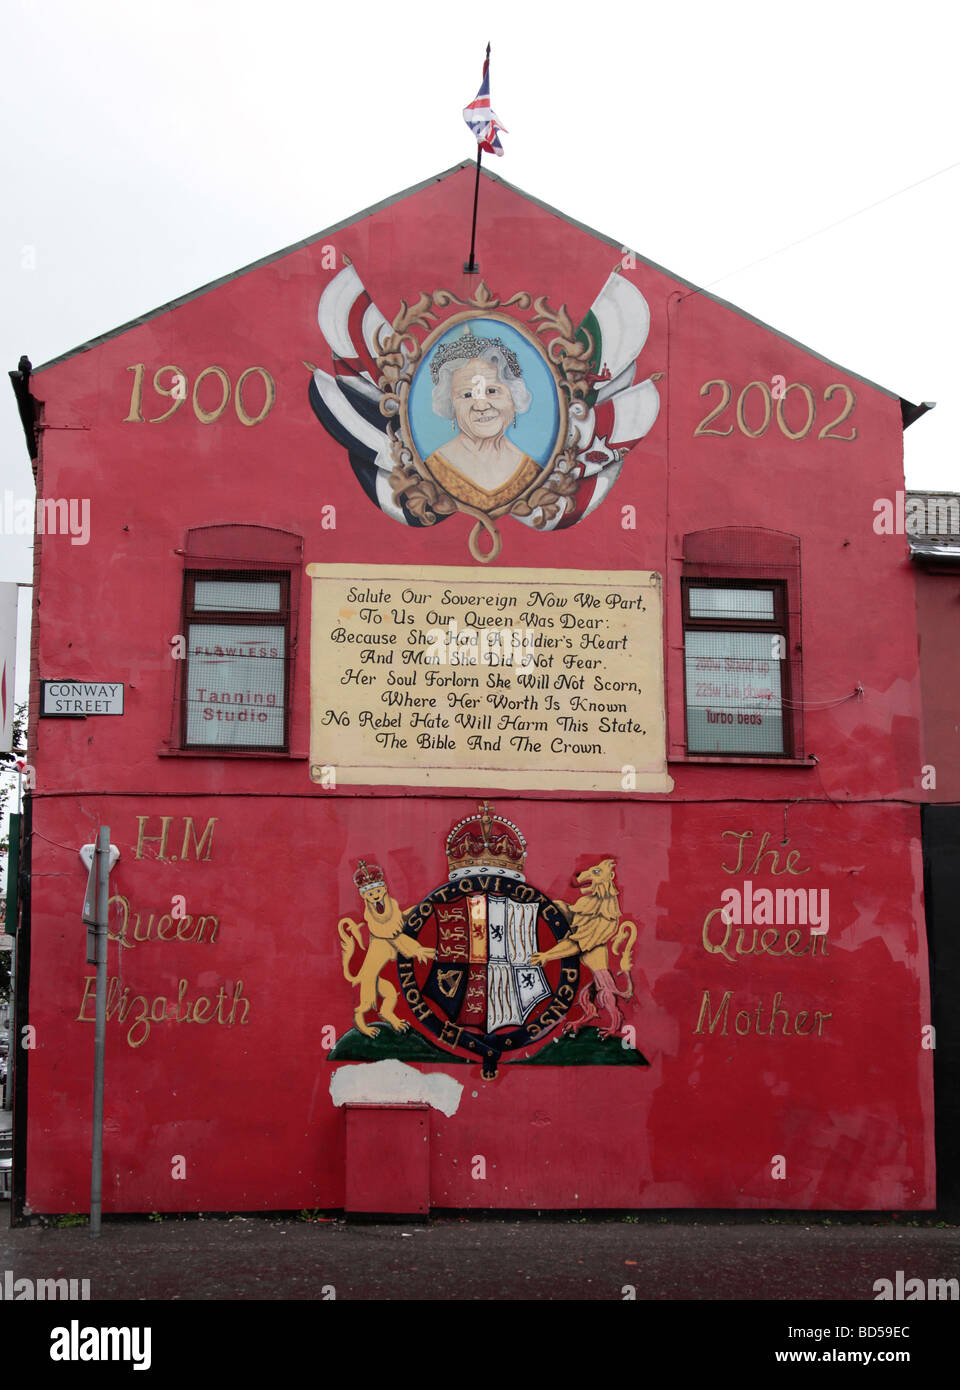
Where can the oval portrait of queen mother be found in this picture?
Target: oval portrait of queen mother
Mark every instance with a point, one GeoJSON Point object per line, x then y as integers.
{"type": "Point", "coordinates": [484, 413]}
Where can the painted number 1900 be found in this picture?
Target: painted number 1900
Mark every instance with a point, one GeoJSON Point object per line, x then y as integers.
{"type": "Point", "coordinates": [171, 381]}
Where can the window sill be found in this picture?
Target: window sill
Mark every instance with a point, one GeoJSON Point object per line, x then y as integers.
{"type": "Point", "coordinates": [221, 753]}
{"type": "Point", "coordinates": [727, 758]}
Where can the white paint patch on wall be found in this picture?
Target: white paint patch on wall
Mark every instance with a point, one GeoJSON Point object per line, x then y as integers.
{"type": "Point", "coordinates": [393, 1083]}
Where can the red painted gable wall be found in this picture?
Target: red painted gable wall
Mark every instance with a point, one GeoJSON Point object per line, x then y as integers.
{"type": "Point", "coordinates": [247, 1101]}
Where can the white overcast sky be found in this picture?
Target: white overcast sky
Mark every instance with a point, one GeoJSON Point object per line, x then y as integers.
{"type": "Point", "coordinates": [149, 149]}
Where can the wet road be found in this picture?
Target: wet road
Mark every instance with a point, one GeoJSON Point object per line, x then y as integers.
{"type": "Point", "coordinates": [456, 1259]}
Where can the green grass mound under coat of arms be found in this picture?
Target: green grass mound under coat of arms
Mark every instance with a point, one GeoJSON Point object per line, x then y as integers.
{"type": "Point", "coordinates": [410, 1046]}
{"type": "Point", "coordinates": [583, 1049]}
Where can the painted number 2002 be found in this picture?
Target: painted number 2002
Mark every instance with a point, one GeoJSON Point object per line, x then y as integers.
{"type": "Point", "coordinates": [765, 407]}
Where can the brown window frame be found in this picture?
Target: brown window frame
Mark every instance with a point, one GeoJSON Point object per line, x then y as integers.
{"type": "Point", "coordinates": [280, 618]}
{"type": "Point", "coordinates": [778, 625]}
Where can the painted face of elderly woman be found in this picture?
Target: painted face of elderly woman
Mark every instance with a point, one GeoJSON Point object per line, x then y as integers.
{"type": "Point", "coordinates": [482, 405]}
{"type": "Point", "coordinates": [480, 465]}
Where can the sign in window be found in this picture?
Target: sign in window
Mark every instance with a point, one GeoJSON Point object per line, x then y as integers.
{"type": "Point", "coordinates": [734, 702]}
{"type": "Point", "coordinates": [235, 683]}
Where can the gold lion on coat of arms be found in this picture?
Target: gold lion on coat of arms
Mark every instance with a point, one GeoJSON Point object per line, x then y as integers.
{"type": "Point", "coordinates": [385, 920]}
{"type": "Point", "coordinates": [597, 933]}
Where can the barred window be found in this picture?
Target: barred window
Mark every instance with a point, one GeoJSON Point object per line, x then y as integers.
{"type": "Point", "coordinates": [741, 615]}
{"type": "Point", "coordinates": [733, 644]}
{"type": "Point", "coordinates": [237, 630]}
{"type": "Point", "coordinates": [240, 598]}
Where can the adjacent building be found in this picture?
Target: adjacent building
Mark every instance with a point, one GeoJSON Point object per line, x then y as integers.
{"type": "Point", "coordinates": [935, 551]}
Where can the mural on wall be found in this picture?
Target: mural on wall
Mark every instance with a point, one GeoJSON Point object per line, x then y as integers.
{"type": "Point", "coordinates": [487, 406]}
{"type": "Point", "coordinates": [488, 965]}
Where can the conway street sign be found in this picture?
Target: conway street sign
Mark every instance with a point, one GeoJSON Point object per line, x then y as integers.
{"type": "Point", "coordinates": [81, 698]}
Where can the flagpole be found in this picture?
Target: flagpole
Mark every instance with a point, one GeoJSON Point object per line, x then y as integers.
{"type": "Point", "coordinates": [471, 266]}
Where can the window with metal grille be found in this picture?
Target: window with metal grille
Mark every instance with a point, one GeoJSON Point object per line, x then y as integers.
{"type": "Point", "coordinates": [235, 692]}
{"type": "Point", "coordinates": [741, 616]}
{"type": "Point", "coordinates": [240, 592]}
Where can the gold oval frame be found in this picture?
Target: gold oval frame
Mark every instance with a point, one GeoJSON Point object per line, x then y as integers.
{"type": "Point", "coordinates": [557, 447]}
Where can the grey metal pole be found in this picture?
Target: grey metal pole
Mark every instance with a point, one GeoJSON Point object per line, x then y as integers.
{"type": "Point", "coordinates": [100, 1032]}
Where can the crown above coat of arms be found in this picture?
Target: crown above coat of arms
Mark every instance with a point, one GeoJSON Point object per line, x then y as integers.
{"type": "Point", "coordinates": [485, 841]}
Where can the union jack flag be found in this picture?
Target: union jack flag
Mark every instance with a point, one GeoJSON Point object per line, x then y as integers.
{"type": "Point", "coordinates": [480, 116]}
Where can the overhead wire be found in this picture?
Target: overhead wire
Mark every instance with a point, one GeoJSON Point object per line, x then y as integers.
{"type": "Point", "coordinates": [848, 217]}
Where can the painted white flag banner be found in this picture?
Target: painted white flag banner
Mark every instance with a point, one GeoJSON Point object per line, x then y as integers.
{"type": "Point", "coordinates": [8, 663]}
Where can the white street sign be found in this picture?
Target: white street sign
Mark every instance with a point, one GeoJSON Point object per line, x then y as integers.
{"type": "Point", "coordinates": [81, 697]}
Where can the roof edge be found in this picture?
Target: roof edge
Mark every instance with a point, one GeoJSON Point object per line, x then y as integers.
{"type": "Point", "coordinates": [408, 192]}
{"type": "Point", "coordinates": [27, 406]}
{"type": "Point", "coordinates": [725, 303]}
{"type": "Point", "coordinates": [253, 265]}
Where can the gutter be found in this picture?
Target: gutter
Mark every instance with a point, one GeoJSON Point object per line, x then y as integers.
{"type": "Point", "coordinates": [27, 406]}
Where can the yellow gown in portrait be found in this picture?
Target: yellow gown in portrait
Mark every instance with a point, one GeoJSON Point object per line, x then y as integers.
{"type": "Point", "coordinates": [460, 486]}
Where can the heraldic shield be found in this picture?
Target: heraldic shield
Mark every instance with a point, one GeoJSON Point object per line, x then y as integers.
{"type": "Point", "coordinates": [481, 975]}
{"type": "Point", "coordinates": [480, 991]}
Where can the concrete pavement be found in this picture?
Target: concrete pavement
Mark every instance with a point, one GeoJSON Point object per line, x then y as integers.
{"type": "Point", "coordinates": [549, 1258]}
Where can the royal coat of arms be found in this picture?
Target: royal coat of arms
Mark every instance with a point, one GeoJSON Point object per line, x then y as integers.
{"type": "Point", "coordinates": [488, 406]}
{"type": "Point", "coordinates": [489, 966]}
